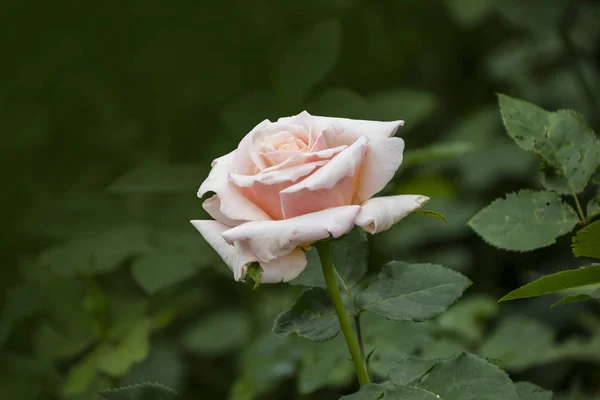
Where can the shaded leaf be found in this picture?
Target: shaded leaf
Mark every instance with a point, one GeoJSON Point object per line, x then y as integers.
{"type": "Point", "coordinates": [468, 316]}
{"type": "Point", "coordinates": [529, 391]}
{"type": "Point", "coordinates": [593, 208]}
{"type": "Point", "coordinates": [391, 341]}
{"type": "Point", "coordinates": [312, 317]}
{"type": "Point", "coordinates": [469, 13]}
{"type": "Point", "coordinates": [575, 298]}
{"type": "Point", "coordinates": [408, 371]}
{"type": "Point", "coordinates": [371, 391]}
{"type": "Point", "coordinates": [587, 241]}
{"type": "Point", "coordinates": [159, 270]}
{"type": "Point", "coordinates": [519, 343]}
{"type": "Point", "coordinates": [98, 253]}
{"type": "Point", "coordinates": [81, 375]}
{"type": "Point", "coordinates": [20, 302]}
{"type": "Point", "coordinates": [117, 359]}
{"type": "Point", "coordinates": [555, 282]}
{"type": "Point", "coordinates": [349, 254]}
{"type": "Point", "coordinates": [144, 391]}
{"type": "Point", "coordinates": [538, 16]}
{"type": "Point", "coordinates": [524, 221]}
{"type": "Point", "coordinates": [404, 291]}
{"type": "Point", "coordinates": [164, 364]}
{"type": "Point", "coordinates": [325, 365]}
{"type": "Point", "coordinates": [218, 333]}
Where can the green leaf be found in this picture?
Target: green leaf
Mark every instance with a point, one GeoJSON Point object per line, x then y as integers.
{"type": "Point", "coordinates": [410, 370]}
{"type": "Point", "coordinates": [575, 298]}
{"type": "Point", "coordinates": [526, 123]}
{"type": "Point", "coordinates": [350, 255]}
{"type": "Point", "coordinates": [469, 13]}
{"type": "Point", "coordinates": [468, 316]}
{"type": "Point", "coordinates": [593, 208]}
{"type": "Point", "coordinates": [97, 253]}
{"type": "Point", "coordinates": [144, 391]}
{"type": "Point", "coordinates": [264, 363]}
{"type": "Point", "coordinates": [538, 16]}
{"type": "Point", "coordinates": [217, 334]}
{"type": "Point", "coordinates": [81, 375]}
{"type": "Point", "coordinates": [519, 343]}
{"type": "Point", "coordinates": [568, 145]}
{"type": "Point", "coordinates": [312, 317]}
{"type": "Point", "coordinates": [159, 179]}
{"type": "Point", "coordinates": [573, 149]}
{"type": "Point", "coordinates": [524, 221]}
{"type": "Point", "coordinates": [415, 292]}
{"type": "Point", "coordinates": [529, 391]}
{"type": "Point", "coordinates": [325, 365]}
{"type": "Point", "coordinates": [380, 391]}
{"type": "Point", "coordinates": [165, 364]}
{"type": "Point", "coordinates": [161, 269]}
{"type": "Point", "coordinates": [433, 214]}
{"type": "Point", "coordinates": [20, 302]}
{"type": "Point", "coordinates": [294, 77]}
{"type": "Point", "coordinates": [587, 241]}
{"type": "Point", "coordinates": [391, 341]}
{"type": "Point", "coordinates": [437, 152]}
{"type": "Point", "coordinates": [468, 377]}
{"type": "Point", "coordinates": [569, 279]}
{"type": "Point", "coordinates": [117, 359]}
{"type": "Point", "coordinates": [255, 272]}
{"type": "Point", "coordinates": [371, 391]}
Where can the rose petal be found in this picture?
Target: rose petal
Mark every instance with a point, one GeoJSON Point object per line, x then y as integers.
{"type": "Point", "coordinates": [212, 206]}
{"type": "Point", "coordinates": [247, 161]}
{"type": "Point", "coordinates": [286, 159]}
{"type": "Point", "coordinates": [273, 177]}
{"type": "Point", "coordinates": [238, 255]}
{"type": "Point", "coordinates": [379, 214]}
{"type": "Point", "coordinates": [339, 131]}
{"type": "Point", "coordinates": [284, 268]}
{"type": "Point", "coordinates": [263, 189]}
{"type": "Point", "coordinates": [382, 159]}
{"type": "Point", "coordinates": [271, 239]}
{"type": "Point", "coordinates": [234, 205]}
{"type": "Point", "coordinates": [330, 186]}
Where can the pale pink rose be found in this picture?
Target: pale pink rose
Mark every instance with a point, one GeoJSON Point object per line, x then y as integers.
{"type": "Point", "coordinates": [301, 179]}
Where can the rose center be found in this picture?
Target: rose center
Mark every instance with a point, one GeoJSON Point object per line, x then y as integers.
{"type": "Point", "coordinates": [284, 141]}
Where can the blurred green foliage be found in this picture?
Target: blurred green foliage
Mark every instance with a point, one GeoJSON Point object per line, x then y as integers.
{"type": "Point", "coordinates": [111, 113]}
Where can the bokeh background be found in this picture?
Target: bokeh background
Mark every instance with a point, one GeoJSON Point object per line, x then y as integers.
{"type": "Point", "coordinates": [111, 112]}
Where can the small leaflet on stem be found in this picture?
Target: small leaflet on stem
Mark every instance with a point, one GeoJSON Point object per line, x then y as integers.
{"type": "Point", "coordinates": [254, 271]}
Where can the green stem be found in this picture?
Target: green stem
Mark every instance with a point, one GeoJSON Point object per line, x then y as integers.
{"type": "Point", "coordinates": [578, 204]}
{"type": "Point", "coordinates": [324, 250]}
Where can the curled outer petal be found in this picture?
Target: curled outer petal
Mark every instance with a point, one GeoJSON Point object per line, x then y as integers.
{"type": "Point", "coordinates": [379, 214]}
{"type": "Point", "coordinates": [238, 255]}
{"type": "Point", "coordinates": [233, 204]}
{"type": "Point", "coordinates": [271, 239]}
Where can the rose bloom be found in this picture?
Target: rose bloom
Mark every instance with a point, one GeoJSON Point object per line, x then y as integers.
{"type": "Point", "coordinates": [301, 179]}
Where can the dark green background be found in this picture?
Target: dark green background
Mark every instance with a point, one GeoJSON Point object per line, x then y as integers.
{"type": "Point", "coordinates": [110, 113]}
